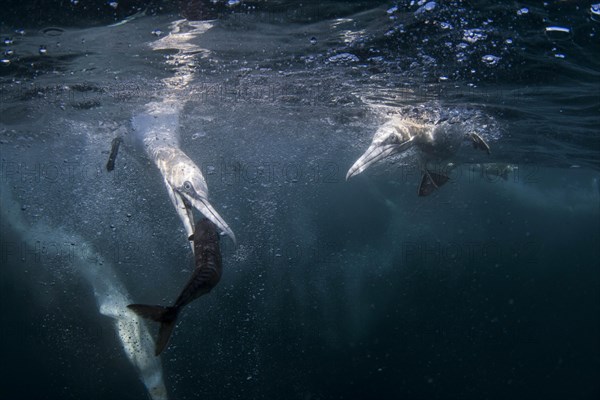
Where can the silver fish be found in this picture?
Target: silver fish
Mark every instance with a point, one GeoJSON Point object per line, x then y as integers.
{"type": "Point", "coordinates": [206, 275]}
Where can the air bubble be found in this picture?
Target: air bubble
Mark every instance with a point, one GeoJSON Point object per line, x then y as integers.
{"type": "Point", "coordinates": [558, 33]}
{"type": "Point", "coordinates": [490, 60]}
{"type": "Point", "coordinates": [343, 58]}
{"type": "Point", "coordinates": [474, 35]}
{"type": "Point", "coordinates": [430, 6]}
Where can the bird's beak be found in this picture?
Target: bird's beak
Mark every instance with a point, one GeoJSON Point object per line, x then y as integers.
{"type": "Point", "coordinates": [201, 204]}
{"type": "Point", "coordinates": [374, 153]}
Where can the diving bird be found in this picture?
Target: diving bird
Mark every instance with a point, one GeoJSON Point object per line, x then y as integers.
{"type": "Point", "coordinates": [157, 130]}
{"type": "Point", "coordinates": [206, 275]}
{"type": "Point", "coordinates": [437, 141]}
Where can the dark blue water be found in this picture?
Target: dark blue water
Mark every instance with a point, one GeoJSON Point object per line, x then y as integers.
{"type": "Point", "coordinates": [487, 289]}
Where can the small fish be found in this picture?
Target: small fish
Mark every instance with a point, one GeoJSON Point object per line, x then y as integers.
{"type": "Point", "coordinates": [206, 275]}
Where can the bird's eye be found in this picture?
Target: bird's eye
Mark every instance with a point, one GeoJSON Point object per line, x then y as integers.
{"type": "Point", "coordinates": [187, 185]}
